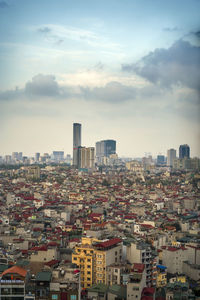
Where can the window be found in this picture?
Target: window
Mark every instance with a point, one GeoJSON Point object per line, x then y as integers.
{"type": "Point", "coordinates": [115, 252]}
{"type": "Point", "coordinates": [88, 278]}
{"type": "Point", "coordinates": [73, 297]}
{"type": "Point", "coordinates": [54, 297]}
{"type": "Point", "coordinates": [88, 259]}
{"type": "Point", "coordinates": [88, 266]}
{"type": "Point", "coordinates": [88, 272]}
{"type": "Point", "coordinates": [75, 258]}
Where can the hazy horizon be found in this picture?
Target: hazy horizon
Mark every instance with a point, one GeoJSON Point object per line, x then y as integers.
{"type": "Point", "coordinates": [128, 71]}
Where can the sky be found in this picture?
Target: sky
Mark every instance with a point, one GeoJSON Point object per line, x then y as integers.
{"type": "Point", "coordinates": [127, 70]}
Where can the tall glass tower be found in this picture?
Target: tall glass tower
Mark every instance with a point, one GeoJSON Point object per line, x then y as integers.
{"type": "Point", "coordinates": [76, 142]}
{"type": "Point", "coordinates": [184, 151]}
{"type": "Point", "coordinates": [104, 149]}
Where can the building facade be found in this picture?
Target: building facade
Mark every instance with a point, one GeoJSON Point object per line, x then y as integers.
{"type": "Point", "coordinates": [171, 155]}
{"type": "Point", "coordinates": [104, 149]}
{"type": "Point", "coordinates": [85, 157]}
{"type": "Point", "coordinates": [76, 142]}
{"type": "Point", "coordinates": [92, 258]}
{"type": "Point", "coordinates": [184, 151]}
{"type": "Point", "coordinates": [142, 253]}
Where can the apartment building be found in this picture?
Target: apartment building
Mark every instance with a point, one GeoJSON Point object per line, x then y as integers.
{"type": "Point", "coordinates": [93, 256]}
{"type": "Point", "coordinates": [161, 279]}
{"type": "Point", "coordinates": [12, 284]}
{"type": "Point", "coordinates": [141, 253]}
{"type": "Point", "coordinates": [137, 281]}
{"type": "Point", "coordinates": [173, 258]}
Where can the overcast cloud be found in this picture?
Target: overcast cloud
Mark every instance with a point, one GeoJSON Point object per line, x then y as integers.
{"type": "Point", "coordinates": [177, 65]}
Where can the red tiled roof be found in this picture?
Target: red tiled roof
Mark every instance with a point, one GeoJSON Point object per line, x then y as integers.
{"type": "Point", "coordinates": [138, 268]}
{"type": "Point", "coordinates": [15, 270]}
{"type": "Point", "coordinates": [109, 243]}
{"type": "Point", "coordinates": [52, 262]}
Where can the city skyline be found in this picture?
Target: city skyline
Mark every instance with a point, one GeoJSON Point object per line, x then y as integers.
{"type": "Point", "coordinates": [101, 65]}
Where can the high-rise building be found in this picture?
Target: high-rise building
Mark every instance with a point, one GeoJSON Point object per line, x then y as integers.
{"type": "Point", "coordinates": [37, 156]}
{"type": "Point", "coordinates": [184, 151]}
{"type": "Point", "coordinates": [76, 142]}
{"type": "Point", "coordinates": [160, 159]}
{"type": "Point", "coordinates": [20, 155]}
{"type": "Point", "coordinates": [14, 156]}
{"type": "Point", "coordinates": [58, 156]}
{"type": "Point", "coordinates": [171, 156]}
{"type": "Point", "coordinates": [105, 148]}
{"type": "Point", "coordinates": [85, 157]}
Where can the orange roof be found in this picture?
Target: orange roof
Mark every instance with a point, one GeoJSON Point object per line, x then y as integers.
{"type": "Point", "coordinates": [15, 270]}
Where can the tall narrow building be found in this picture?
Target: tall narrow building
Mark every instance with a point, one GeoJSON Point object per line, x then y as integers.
{"type": "Point", "coordinates": [76, 142]}
{"type": "Point", "coordinates": [171, 156]}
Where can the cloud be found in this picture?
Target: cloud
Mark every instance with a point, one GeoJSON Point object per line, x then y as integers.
{"type": "Point", "coordinates": [11, 94]}
{"type": "Point", "coordinates": [171, 29]}
{"type": "Point", "coordinates": [54, 33]}
{"type": "Point", "coordinates": [42, 85]}
{"type": "Point", "coordinates": [46, 86]}
{"type": "Point", "coordinates": [177, 65]}
{"type": "Point", "coordinates": [3, 4]}
{"type": "Point", "coordinates": [114, 92]}
{"type": "Point", "coordinates": [44, 29]}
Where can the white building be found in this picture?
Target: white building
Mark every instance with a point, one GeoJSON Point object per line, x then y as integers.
{"type": "Point", "coordinates": [171, 155]}
{"type": "Point", "coordinates": [173, 258]}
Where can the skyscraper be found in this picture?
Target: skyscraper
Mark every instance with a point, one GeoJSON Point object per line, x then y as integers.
{"type": "Point", "coordinates": [105, 148]}
{"type": "Point", "coordinates": [171, 156]}
{"type": "Point", "coordinates": [37, 156]}
{"type": "Point", "coordinates": [184, 151]}
{"type": "Point", "coordinates": [85, 157]}
{"type": "Point", "coordinates": [58, 156]}
{"type": "Point", "coordinates": [76, 142]}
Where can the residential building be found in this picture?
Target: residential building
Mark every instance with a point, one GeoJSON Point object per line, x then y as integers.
{"type": "Point", "coordinates": [161, 279]}
{"type": "Point", "coordinates": [140, 252]}
{"type": "Point", "coordinates": [13, 284]}
{"type": "Point", "coordinates": [178, 290]}
{"type": "Point", "coordinates": [173, 258]}
{"type": "Point", "coordinates": [93, 256]}
{"type": "Point", "coordinates": [85, 157]}
{"type": "Point", "coordinates": [137, 281]}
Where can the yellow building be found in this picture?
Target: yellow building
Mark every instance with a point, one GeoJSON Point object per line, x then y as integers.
{"type": "Point", "coordinates": [161, 279]}
{"type": "Point", "coordinates": [93, 256]}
